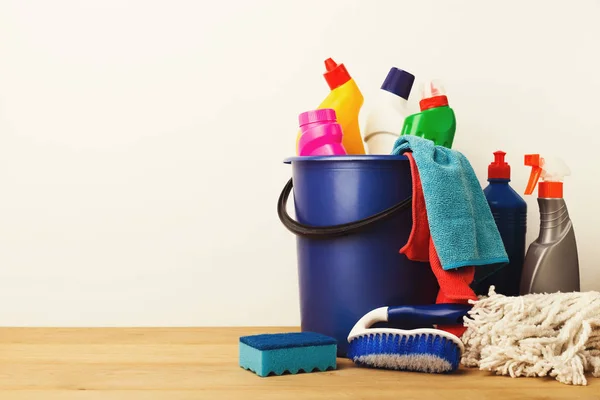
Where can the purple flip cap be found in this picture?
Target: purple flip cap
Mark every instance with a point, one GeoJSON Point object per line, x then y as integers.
{"type": "Point", "coordinates": [399, 82]}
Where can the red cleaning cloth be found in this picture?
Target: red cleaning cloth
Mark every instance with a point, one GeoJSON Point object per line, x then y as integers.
{"type": "Point", "coordinates": [454, 284]}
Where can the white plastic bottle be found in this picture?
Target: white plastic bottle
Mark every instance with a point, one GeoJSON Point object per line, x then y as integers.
{"type": "Point", "coordinates": [385, 120]}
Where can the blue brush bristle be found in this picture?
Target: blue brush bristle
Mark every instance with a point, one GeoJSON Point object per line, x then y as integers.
{"type": "Point", "coordinates": [425, 352]}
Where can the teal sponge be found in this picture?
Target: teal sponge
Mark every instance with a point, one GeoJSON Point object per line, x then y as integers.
{"type": "Point", "coordinates": [279, 352]}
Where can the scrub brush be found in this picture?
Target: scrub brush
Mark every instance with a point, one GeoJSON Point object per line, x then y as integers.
{"type": "Point", "coordinates": [423, 350]}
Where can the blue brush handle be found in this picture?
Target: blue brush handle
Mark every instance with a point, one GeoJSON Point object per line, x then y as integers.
{"type": "Point", "coordinates": [430, 314]}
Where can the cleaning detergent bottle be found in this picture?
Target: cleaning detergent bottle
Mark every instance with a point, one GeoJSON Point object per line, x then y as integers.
{"type": "Point", "coordinates": [346, 99]}
{"type": "Point", "coordinates": [551, 263]}
{"type": "Point", "coordinates": [510, 214]}
{"type": "Point", "coordinates": [436, 121]}
{"type": "Point", "coordinates": [384, 123]}
{"type": "Point", "coordinates": [321, 135]}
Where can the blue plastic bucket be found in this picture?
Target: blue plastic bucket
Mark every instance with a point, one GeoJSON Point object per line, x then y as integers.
{"type": "Point", "coordinates": [353, 216]}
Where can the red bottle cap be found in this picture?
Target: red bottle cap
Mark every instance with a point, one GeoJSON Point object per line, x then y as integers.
{"type": "Point", "coordinates": [433, 102]}
{"type": "Point", "coordinates": [336, 74]}
{"type": "Point", "coordinates": [433, 95]}
{"type": "Point", "coordinates": [499, 169]}
{"type": "Point", "coordinates": [550, 190]}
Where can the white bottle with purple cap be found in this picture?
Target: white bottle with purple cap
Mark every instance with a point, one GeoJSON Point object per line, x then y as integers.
{"type": "Point", "coordinates": [385, 120]}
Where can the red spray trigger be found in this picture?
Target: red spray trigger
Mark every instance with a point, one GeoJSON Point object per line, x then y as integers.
{"type": "Point", "coordinates": [534, 161]}
{"type": "Point", "coordinates": [551, 170]}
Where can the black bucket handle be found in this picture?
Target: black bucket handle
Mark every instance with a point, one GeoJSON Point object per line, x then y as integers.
{"type": "Point", "coordinates": [322, 232]}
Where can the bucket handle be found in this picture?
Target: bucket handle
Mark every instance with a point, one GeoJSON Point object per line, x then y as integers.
{"type": "Point", "coordinates": [321, 232]}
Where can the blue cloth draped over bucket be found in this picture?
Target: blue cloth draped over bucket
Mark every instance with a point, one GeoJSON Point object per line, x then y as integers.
{"type": "Point", "coordinates": [462, 226]}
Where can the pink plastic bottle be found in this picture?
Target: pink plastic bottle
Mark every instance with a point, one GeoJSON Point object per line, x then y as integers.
{"type": "Point", "coordinates": [320, 134]}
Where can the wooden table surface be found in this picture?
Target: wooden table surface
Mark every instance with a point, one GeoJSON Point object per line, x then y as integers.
{"type": "Point", "coordinates": [202, 363]}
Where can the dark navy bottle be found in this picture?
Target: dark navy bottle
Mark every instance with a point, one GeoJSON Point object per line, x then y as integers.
{"type": "Point", "coordinates": [510, 213]}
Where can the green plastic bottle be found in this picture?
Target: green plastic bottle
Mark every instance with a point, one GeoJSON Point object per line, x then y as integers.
{"type": "Point", "coordinates": [436, 121]}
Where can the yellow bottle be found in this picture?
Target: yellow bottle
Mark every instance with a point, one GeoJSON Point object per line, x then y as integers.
{"type": "Point", "coordinates": [346, 99]}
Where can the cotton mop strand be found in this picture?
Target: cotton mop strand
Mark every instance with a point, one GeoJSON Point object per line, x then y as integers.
{"type": "Point", "coordinates": [556, 334]}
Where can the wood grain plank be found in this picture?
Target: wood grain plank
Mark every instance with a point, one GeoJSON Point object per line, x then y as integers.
{"type": "Point", "coordinates": [198, 363]}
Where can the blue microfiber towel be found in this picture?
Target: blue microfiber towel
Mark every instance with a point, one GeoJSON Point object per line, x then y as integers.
{"type": "Point", "coordinates": [460, 220]}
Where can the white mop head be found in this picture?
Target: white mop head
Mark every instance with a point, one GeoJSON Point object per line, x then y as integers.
{"type": "Point", "coordinates": [554, 334]}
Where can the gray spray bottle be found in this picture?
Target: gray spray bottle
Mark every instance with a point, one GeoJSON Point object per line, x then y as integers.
{"type": "Point", "coordinates": [551, 264]}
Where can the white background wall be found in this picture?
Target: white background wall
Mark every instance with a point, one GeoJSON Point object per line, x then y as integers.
{"type": "Point", "coordinates": [120, 119]}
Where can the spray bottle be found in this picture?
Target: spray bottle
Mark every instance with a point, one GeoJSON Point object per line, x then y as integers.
{"type": "Point", "coordinates": [510, 214]}
{"type": "Point", "coordinates": [346, 99]}
{"type": "Point", "coordinates": [551, 263]}
{"type": "Point", "coordinates": [436, 121]}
